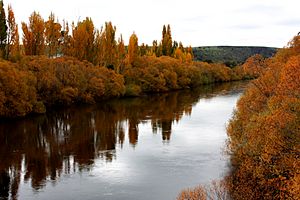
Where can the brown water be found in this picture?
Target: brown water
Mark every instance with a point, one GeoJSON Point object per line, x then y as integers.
{"type": "Point", "coordinates": [137, 148]}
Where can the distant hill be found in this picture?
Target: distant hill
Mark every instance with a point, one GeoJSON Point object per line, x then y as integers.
{"type": "Point", "coordinates": [230, 55]}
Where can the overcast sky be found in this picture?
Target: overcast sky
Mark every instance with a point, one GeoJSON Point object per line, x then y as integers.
{"type": "Point", "coordinates": [194, 22]}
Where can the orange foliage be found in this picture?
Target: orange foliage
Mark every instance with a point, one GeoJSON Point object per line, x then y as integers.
{"type": "Point", "coordinates": [33, 38]}
{"type": "Point", "coordinates": [264, 133]}
{"type": "Point", "coordinates": [17, 90]}
{"type": "Point", "coordinates": [133, 49]}
{"type": "Point", "coordinates": [254, 66]}
{"type": "Point", "coordinates": [83, 40]}
{"type": "Point", "coordinates": [215, 190]}
{"type": "Point", "coordinates": [103, 63]}
{"type": "Point", "coordinates": [52, 35]}
{"type": "Point", "coordinates": [12, 48]}
{"type": "Point", "coordinates": [37, 81]}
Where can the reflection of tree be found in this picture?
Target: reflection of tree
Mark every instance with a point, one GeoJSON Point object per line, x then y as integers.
{"type": "Point", "coordinates": [4, 184]}
{"type": "Point", "coordinates": [69, 140]}
{"type": "Point", "coordinates": [133, 132]}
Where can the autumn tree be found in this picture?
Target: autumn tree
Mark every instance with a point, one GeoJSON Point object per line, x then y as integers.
{"type": "Point", "coordinates": [264, 132]}
{"type": "Point", "coordinates": [66, 40]}
{"type": "Point", "coordinates": [178, 54]}
{"type": "Point", "coordinates": [254, 66]}
{"type": "Point", "coordinates": [99, 54]}
{"type": "Point", "coordinates": [189, 55]}
{"type": "Point", "coordinates": [133, 49]}
{"type": "Point", "coordinates": [33, 35]}
{"type": "Point", "coordinates": [83, 40]}
{"type": "Point", "coordinates": [52, 35]}
{"type": "Point", "coordinates": [121, 54]}
{"type": "Point", "coordinates": [109, 45]}
{"type": "Point", "coordinates": [3, 29]}
{"type": "Point", "coordinates": [12, 48]}
{"type": "Point", "coordinates": [156, 48]}
{"type": "Point", "coordinates": [106, 47]}
{"type": "Point", "coordinates": [166, 41]}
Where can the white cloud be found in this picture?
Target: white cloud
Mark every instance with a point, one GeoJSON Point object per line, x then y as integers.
{"type": "Point", "coordinates": [194, 22]}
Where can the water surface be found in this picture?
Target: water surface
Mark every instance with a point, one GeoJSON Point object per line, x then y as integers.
{"type": "Point", "coordinates": [146, 148]}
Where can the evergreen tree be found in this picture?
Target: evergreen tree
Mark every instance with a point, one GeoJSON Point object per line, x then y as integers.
{"type": "Point", "coordinates": [3, 29]}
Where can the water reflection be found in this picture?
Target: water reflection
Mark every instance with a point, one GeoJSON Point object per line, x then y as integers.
{"type": "Point", "coordinates": [37, 149]}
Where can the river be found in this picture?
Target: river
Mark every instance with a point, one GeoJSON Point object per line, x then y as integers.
{"type": "Point", "coordinates": [148, 147]}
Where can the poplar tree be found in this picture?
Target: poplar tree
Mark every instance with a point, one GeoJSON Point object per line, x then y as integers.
{"type": "Point", "coordinates": [83, 40]}
{"type": "Point", "coordinates": [166, 43]}
{"type": "Point", "coordinates": [52, 35]}
{"type": "Point", "coordinates": [121, 55]}
{"type": "Point", "coordinates": [109, 45]}
{"type": "Point", "coordinates": [3, 29]}
{"type": "Point", "coordinates": [33, 35]}
{"type": "Point", "coordinates": [133, 49]}
{"type": "Point", "coordinates": [12, 48]}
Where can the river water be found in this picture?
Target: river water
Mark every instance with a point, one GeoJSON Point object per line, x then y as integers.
{"type": "Point", "coordinates": [143, 148]}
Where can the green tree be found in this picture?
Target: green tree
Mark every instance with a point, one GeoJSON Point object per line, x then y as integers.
{"type": "Point", "coordinates": [3, 29]}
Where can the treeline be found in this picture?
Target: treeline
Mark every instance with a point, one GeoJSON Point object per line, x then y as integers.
{"type": "Point", "coordinates": [264, 134]}
{"type": "Point", "coordinates": [82, 41]}
{"type": "Point", "coordinates": [58, 66]}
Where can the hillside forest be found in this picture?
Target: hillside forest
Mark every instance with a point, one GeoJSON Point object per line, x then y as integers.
{"type": "Point", "coordinates": [231, 56]}
{"type": "Point", "coordinates": [62, 64]}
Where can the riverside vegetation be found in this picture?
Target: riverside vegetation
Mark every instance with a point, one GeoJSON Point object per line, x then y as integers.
{"type": "Point", "coordinates": [264, 136]}
{"type": "Point", "coordinates": [58, 66]}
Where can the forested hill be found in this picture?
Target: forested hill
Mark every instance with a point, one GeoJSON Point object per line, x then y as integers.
{"type": "Point", "coordinates": [230, 55]}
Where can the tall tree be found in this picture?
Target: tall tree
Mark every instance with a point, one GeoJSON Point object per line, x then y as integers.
{"type": "Point", "coordinates": [99, 50]}
{"type": "Point", "coordinates": [155, 48]}
{"type": "Point", "coordinates": [166, 42]}
{"type": "Point", "coordinates": [12, 34]}
{"type": "Point", "coordinates": [83, 40]}
{"type": "Point", "coordinates": [133, 49]}
{"type": "Point", "coordinates": [52, 35]}
{"type": "Point", "coordinates": [3, 29]}
{"type": "Point", "coordinates": [15, 50]}
{"type": "Point", "coordinates": [109, 45]}
{"type": "Point", "coordinates": [33, 35]}
{"type": "Point", "coordinates": [66, 40]}
{"type": "Point", "coordinates": [143, 49]}
{"type": "Point", "coordinates": [121, 55]}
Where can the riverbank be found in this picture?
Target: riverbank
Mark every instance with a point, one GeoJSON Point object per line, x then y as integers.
{"type": "Point", "coordinates": [36, 83]}
{"type": "Point", "coordinates": [127, 148]}
{"type": "Point", "coordinates": [264, 137]}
